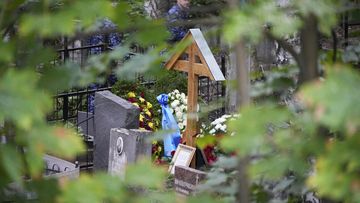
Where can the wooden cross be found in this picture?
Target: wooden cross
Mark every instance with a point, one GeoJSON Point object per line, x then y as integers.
{"type": "Point", "coordinates": [198, 61]}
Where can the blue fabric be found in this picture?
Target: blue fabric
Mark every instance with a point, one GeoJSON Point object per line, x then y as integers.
{"type": "Point", "coordinates": [168, 122]}
{"type": "Point", "coordinates": [173, 15]}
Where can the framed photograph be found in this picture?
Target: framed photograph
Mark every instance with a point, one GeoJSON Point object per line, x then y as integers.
{"type": "Point", "coordinates": [182, 157]}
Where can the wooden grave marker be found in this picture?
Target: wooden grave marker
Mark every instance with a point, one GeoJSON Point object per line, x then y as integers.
{"type": "Point", "coordinates": [199, 62]}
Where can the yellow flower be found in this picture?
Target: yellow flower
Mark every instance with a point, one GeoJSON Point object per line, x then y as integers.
{"type": "Point", "coordinates": [147, 112]}
{"type": "Point", "coordinates": [142, 128]}
{"type": "Point", "coordinates": [142, 100]}
{"type": "Point", "coordinates": [141, 118]}
{"type": "Point", "coordinates": [131, 95]}
{"type": "Point", "coordinates": [151, 125]}
{"type": "Point", "coordinates": [136, 104]}
{"type": "Point", "coordinates": [148, 105]}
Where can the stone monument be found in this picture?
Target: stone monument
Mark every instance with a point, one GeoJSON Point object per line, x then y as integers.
{"type": "Point", "coordinates": [111, 111]}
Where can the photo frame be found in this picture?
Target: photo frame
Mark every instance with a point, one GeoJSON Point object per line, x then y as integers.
{"type": "Point", "coordinates": [182, 157]}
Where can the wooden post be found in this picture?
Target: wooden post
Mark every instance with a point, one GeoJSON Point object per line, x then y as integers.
{"type": "Point", "coordinates": [193, 86]}
{"type": "Point", "coordinates": [207, 67]}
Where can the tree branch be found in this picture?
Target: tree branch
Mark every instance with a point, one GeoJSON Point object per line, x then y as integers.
{"type": "Point", "coordinates": [285, 45]}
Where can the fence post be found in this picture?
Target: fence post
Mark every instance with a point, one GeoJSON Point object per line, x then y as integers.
{"type": "Point", "coordinates": [66, 51]}
{"type": "Point", "coordinates": [65, 108]}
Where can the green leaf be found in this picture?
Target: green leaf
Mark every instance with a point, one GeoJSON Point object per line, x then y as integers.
{"type": "Point", "coordinates": [11, 162]}
{"type": "Point", "coordinates": [145, 174]}
{"type": "Point", "coordinates": [155, 29]}
{"type": "Point", "coordinates": [20, 100]}
{"type": "Point", "coordinates": [202, 142]}
{"type": "Point", "coordinates": [251, 127]}
{"type": "Point", "coordinates": [7, 51]}
{"type": "Point", "coordinates": [331, 102]}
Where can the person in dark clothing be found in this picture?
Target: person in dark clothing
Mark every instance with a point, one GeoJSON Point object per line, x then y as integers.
{"type": "Point", "coordinates": [179, 12]}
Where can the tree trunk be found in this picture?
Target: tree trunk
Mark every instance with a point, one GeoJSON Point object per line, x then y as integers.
{"type": "Point", "coordinates": [309, 69]}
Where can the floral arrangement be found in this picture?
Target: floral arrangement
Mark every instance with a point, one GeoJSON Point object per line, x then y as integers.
{"type": "Point", "coordinates": [146, 119]}
{"type": "Point", "coordinates": [178, 106]}
{"type": "Point", "coordinates": [147, 122]}
{"type": "Point", "coordinates": [216, 128]}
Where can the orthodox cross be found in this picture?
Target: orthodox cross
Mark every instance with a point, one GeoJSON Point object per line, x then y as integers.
{"type": "Point", "coordinates": [197, 60]}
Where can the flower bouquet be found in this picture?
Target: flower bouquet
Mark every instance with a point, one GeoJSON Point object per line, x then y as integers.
{"type": "Point", "coordinates": [217, 128]}
{"type": "Point", "coordinates": [178, 106]}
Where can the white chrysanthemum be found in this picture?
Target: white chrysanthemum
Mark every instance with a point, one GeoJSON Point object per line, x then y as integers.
{"type": "Point", "coordinates": [222, 120]}
{"type": "Point", "coordinates": [181, 126]}
{"type": "Point", "coordinates": [176, 91]}
{"type": "Point", "coordinates": [177, 109]}
{"type": "Point", "coordinates": [226, 116]}
{"type": "Point", "coordinates": [218, 126]}
{"type": "Point", "coordinates": [223, 128]}
{"type": "Point", "coordinates": [182, 107]}
{"type": "Point", "coordinates": [212, 131]}
{"type": "Point", "coordinates": [175, 103]}
{"type": "Point", "coordinates": [172, 97]}
{"type": "Point", "coordinates": [183, 96]}
{"type": "Point", "coordinates": [179, 115]}
{"type": "Point", "coordinates": [215, 122]}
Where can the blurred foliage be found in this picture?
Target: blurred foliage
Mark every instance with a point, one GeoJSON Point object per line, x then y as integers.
{"type": "Point", "coordinates": [312, 148]}
{"type": "Point", "coordinates": [28, 80]}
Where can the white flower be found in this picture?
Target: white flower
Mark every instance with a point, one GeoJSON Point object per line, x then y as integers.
{"type": "Point", "coordinates": [176, 91]}
{"type": "Point", "coordinates": [175, 103]}
{"type": "Point", "coordinates": [179, 115]}
{"type": "Point", "coordinates": [223, 128]}
{"type": "Point", "coordinates": [177, 109]}
{"type": "Point", "coordinates": [183, 96]}
{"type": "Point", "coordinates": [212, 131]}
{"type": "Point", "coordinates": [172, 97]}
{"type": "Point", "coordinates": [181, 126]}
{"type": "Point", "coordinates": [226, 116]}
{"type": "Point", "coordinates": [222, 120]}
{"type": "Point", "coordinates": [200, 135]}
{"type": "Point", "coordinates": [182, 107]}
{"type": "Point", "coordinates": [184, 122]}
{"type": "Point", "coordinates": [172, 110]}
{"type": "Point", "coordinates": [218, 126]}
{"type": "Point", "coordinates": [215, 122]}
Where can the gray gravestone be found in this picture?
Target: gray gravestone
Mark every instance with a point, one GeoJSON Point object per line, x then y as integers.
{"type": "Point", "coordinates": [126, 146]}
{"type": "Point", "coordinates": [111, 111]}
{"type": "Point", "coordinates": [85, 121]}
{"type": "Point", "coordinates": [186, 180]}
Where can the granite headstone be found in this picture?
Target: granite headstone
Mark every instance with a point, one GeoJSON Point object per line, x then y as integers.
{"type": "Point", "coordinates": [85, 121]}
{"type": "Point", "coordinates": [127, 146]}
{"type": "Point", "coordinates": [111, 111]}
{"type": "Point", "coordinates": [186, 180]}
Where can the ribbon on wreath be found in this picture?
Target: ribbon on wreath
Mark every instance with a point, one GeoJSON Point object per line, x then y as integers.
{"type": "Point", "coordinates": [168, 122]}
